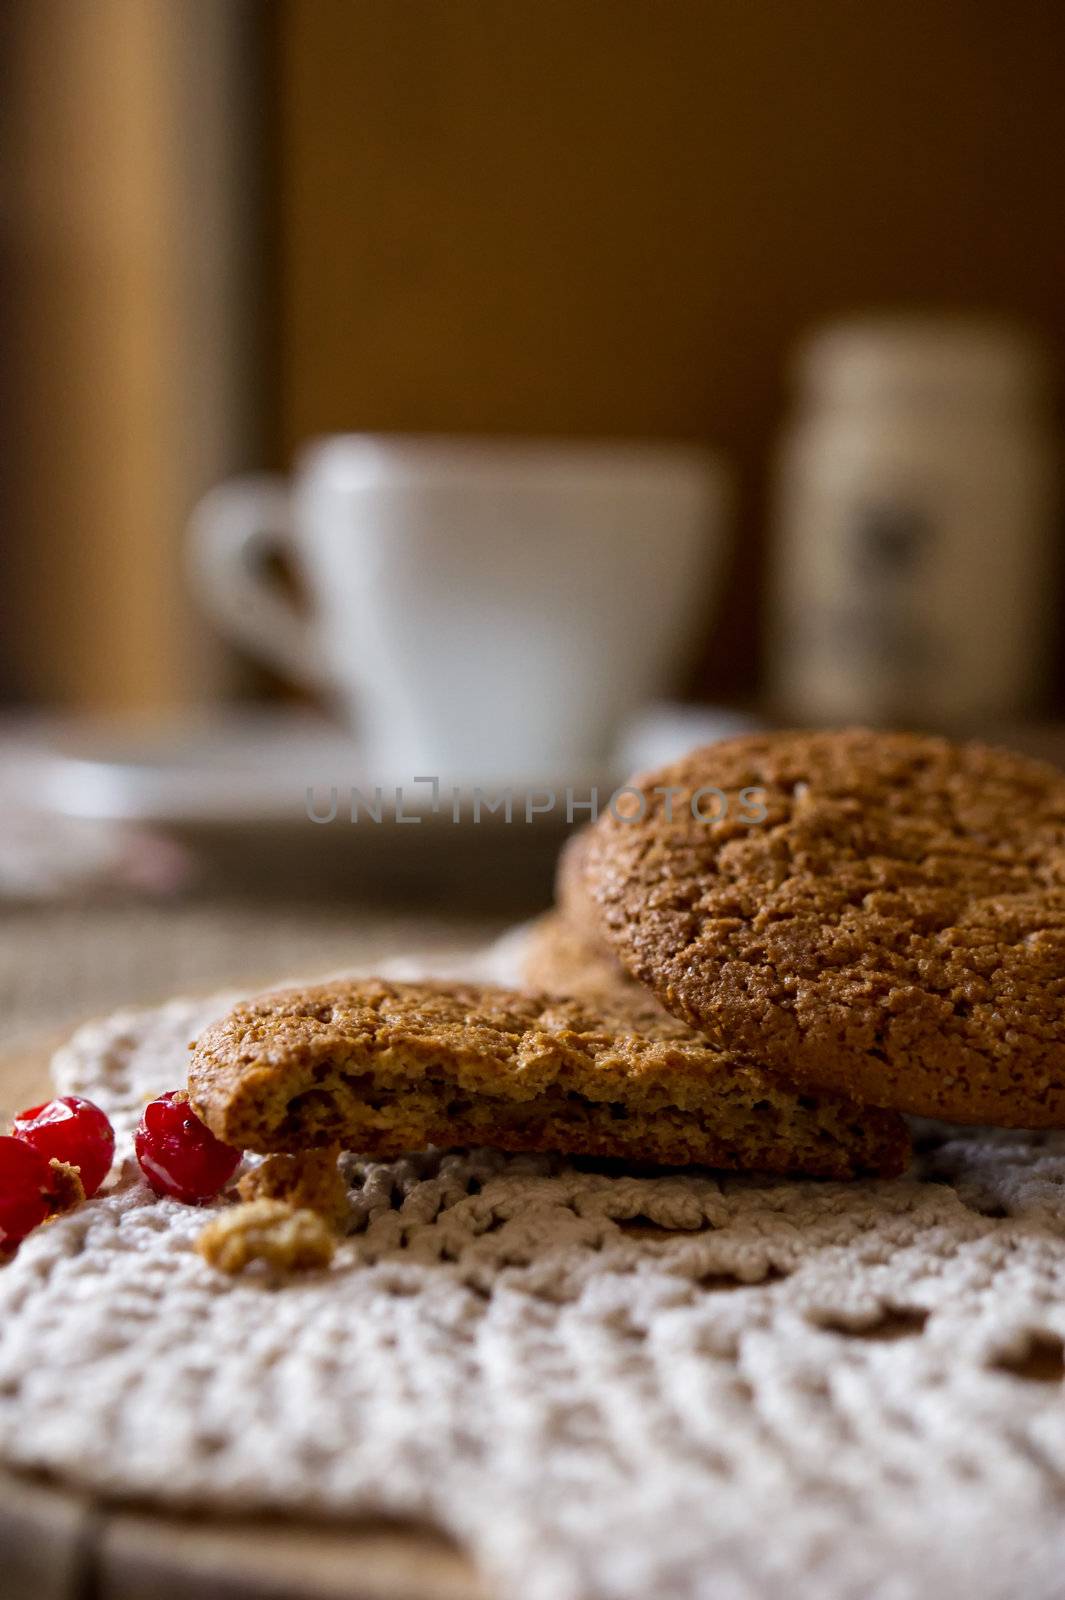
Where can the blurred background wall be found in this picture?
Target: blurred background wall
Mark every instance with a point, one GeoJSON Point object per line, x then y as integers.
{"type": "Point", "coordinates": [230, 226]}
{"type": "Point", "coordinates": [132, 188]}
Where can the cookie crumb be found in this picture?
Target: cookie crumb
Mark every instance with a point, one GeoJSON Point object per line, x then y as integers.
{"type": "Point", "coordinates": [307, 1180]}
{"type": "Point", "coordinates": [285, 1237]}
{"type": "Point", "coordinates": [67, 1189]}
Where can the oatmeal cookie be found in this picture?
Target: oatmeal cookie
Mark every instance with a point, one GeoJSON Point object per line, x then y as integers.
{"type": "Point", "coordinates": [384, 1067]}
{"type": "Point", "coordinates": [561, 958]}
{"type": "Point", "coordinates": [894, 929]}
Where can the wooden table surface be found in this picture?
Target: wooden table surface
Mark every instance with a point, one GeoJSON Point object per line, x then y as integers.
{"type": "Point", "coordinates": [59, 1545]}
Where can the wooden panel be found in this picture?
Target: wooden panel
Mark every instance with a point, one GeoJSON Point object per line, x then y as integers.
{"type": "Point", "coordinates": [614, 216]}
{"type": "Point", "coordinates": [167, 1558]}
{"type": "Point", "coordinates": [44, 1536]}
{"type": "Point", "coordinates": [127, 378]}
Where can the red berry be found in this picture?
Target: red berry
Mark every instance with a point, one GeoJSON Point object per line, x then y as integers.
{"type": "Point", "coordinates": [73, 1130]}
{"type": "Point", "coordinates": [178, 1154]}
{"type": "Point", "coordinates": [25, 1177]}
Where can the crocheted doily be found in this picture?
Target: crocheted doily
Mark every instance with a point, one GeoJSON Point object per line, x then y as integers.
{"type": "Point", "coordinates": [803, 1390]}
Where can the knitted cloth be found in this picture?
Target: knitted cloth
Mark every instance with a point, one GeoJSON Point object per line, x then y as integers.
{"type": "Point", "coordinates": [803, 1389]}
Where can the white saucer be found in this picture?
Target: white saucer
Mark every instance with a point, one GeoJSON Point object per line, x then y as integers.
{"type": "Point", "coordinates": [238, 768]}
{"type": "Point", "coordinates": [230, 769]}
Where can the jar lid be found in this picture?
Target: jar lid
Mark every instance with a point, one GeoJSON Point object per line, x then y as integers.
{"type": "Point", "coordinates": [947, 359]}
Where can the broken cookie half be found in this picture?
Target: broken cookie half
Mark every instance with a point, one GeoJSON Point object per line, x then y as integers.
{"type": "Point", "coordinates": [384, 1068]}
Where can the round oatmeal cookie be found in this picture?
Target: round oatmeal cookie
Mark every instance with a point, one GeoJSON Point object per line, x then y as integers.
{"type": "Point", "coordinates": [562, 959]}
{"type": "Point", "coordinates": [573, 899]}
{"type": "Point", "coordinates": [893, 928]}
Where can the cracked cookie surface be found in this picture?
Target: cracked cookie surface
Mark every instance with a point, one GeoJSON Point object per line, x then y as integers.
{"type": "Point", "coordinates": [894, 929]}
{"type": "Point", "coordinates": [384, 1067]}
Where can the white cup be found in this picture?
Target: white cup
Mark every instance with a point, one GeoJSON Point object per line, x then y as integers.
{"type": "Point", "coordinates": [481, 610]}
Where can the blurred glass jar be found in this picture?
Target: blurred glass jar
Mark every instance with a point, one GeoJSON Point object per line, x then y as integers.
{"type": "Point", "coordinates": [913, 567]}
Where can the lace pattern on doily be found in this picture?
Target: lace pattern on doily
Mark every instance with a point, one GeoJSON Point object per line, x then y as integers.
{"type": "Point", "coordinates": [802, 1389]}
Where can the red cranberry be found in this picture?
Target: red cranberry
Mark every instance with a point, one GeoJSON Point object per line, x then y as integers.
{"type": "Point", "coordinates": [25, 1178]}
{"type": "Point", "coordinates": [73, 1130]}
{"type": "Point", "coordinates": [178, 1154]}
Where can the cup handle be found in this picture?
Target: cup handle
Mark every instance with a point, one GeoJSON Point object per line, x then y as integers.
{"type": "Point", "coordinates": [230, 531]}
